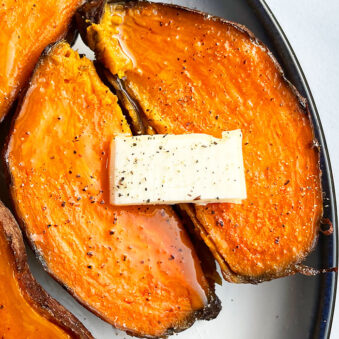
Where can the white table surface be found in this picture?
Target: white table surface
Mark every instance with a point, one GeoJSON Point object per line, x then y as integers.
{"type": "Point", "coordinates": [312, 27]}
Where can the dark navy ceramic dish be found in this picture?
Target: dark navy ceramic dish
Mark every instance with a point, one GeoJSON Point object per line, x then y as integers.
{"type": "Point", "coordinates": [327, 246]}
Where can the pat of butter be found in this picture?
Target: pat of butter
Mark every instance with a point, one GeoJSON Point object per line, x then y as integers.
{"type": "Point", "coordinates": [171, 169]}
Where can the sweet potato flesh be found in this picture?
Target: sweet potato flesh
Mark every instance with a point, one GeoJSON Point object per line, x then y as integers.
{"type": "Point", "coordinates": [135, 267]}
{"type": "Point", "coordinates": [193, 74]}
{"type": "Point", "coordinates": [26, 28]}
{"type": "Point", "coordinates": [18, 318]}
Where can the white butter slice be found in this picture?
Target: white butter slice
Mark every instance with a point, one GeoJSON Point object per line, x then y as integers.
{"type": "Point", "coordinates": [171, 169]}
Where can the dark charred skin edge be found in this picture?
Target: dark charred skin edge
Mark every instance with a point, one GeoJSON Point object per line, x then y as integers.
{"type": "Point", "coordinates": [113, 83]}
{"type": "Point", "coordinates": [70, 35]}
{"type": "Point", "coordinates": [326, 226]}
{"type": "Point", "coordinates": [38, 298]}
{"type": "Point", "coordinates": [210, 311]}
{"type": "Point", "coordinates": [228, 274]}
{"type": "Point", "coordinates": [88, 13]}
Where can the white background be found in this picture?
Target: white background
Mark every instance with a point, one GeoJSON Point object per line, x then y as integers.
{"type": "Point", "coordinates": [312, 27]}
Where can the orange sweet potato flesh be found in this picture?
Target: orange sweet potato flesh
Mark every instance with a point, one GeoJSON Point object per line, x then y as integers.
{"type": "Point", "coordinates": [26, 28]}
{"type": "Point", "coordinates": [26, 310]}
{"type": "Point", "coordinates": [134, 267]}
{"type": "Point", "coordinates": [190, 73]}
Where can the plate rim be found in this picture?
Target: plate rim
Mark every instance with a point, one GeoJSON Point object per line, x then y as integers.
{"type": "Point", "coordinates": [287, 57]}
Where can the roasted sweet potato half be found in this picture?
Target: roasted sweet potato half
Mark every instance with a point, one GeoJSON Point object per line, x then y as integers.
{"type": "Point", "coordinates": [187, 72]}
{"type": "Point", "coordinates": [26, 310]}
{"type": "Point", "coordinates": [134, 267]}
{"type": "Point", "coordinates": [26, 28]}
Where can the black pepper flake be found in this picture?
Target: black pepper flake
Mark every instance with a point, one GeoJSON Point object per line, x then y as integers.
{"type": "Point", "coordinates": [90, 254]}
{"type": "Point", "coordinates": [276, 240]}
{"type": "Point", "coordinates": [287, 182]}
{"type": "Point", "coordinates": [49, 225]}
{"type": "Point", "coordinates": [216, 117]}
{"type": "Point", "coordinates": [89, 266]}
{"type": "Point", "coordinates": [63, 204]}
{"type": "Point", "coordinates": [70, 172]}
{"type": "Point", "coordinates": [78, 198]}
{"type": "Point", "coordinates": [171, 257]}
{"type": "Point", "coordinates": [148, 200]}
{"type": "Point", "coordinates": [75, 152]}
{"type": "Point", "coordinates": [111, 232]}
{"type": "Point", "coordinates": [85, 189]}
{"type": "Point", "coordinates": [221, 223]}
{"type": "Point", "coordinates": [1, 307]}
{"type": "Point", "coordinates": [78, 175]}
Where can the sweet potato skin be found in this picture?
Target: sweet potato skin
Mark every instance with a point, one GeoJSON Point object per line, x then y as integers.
{"type": "Point", "coordinates": [26, 28]}
{"type": "Point", "coordinates": [102, 247]}
{"type": "Point", "coordinates": [26, 309]}
{"type": "Point", "coordinates": [200, 83]}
